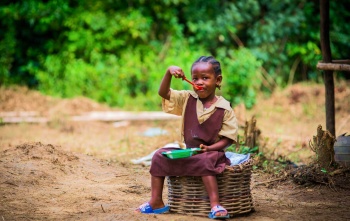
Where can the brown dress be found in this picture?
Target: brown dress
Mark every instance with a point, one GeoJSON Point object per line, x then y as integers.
{"type": "Point", "coordinates": [204, 164]}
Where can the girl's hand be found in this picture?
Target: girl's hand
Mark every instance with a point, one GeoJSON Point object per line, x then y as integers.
{"type": "Point", "coordinates": [218, 146]}
{"type": "Point", "coordinates": [204, 148]}
{"type": "Point", "coordinates": [176, 72]}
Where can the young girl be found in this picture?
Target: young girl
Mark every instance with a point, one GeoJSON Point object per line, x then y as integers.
{"type": "Point", "coordinates": [208, 122]}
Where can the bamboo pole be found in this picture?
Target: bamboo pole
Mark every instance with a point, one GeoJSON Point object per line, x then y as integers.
{"type": "Point", "coordinates": [332, 66]}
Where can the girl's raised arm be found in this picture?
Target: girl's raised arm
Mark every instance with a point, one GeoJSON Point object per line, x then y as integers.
{"type": "Point", "coordinates": [164, 88]}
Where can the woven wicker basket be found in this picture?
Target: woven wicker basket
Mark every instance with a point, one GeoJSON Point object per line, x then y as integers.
{"type": "Point", "coordinates": [187, 194]}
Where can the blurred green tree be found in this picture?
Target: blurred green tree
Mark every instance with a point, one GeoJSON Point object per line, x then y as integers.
{"type": "Point", "coordinates": [116, 51]}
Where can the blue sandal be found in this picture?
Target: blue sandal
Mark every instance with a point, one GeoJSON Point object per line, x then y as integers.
{"type": "Point", "coordinates": [216, 209]}
{"type": "Point", "coordinates": [147, 209]}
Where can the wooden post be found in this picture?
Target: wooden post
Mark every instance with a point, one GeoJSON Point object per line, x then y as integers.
{"type": "Point", "coordinates": [327, 58]}
{"type": "Point", "coordinates": [251, 133]}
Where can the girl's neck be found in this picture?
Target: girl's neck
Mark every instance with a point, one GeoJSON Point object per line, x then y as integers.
{"type": "Point", "coordinates": [208, 101]}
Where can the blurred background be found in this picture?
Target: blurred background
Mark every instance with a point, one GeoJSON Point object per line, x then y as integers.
{"type": "Point", "coordinates": [116, 52]}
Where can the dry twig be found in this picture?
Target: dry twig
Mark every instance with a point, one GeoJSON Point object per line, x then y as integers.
{"type": "Point", "coordinates": [103, 209]}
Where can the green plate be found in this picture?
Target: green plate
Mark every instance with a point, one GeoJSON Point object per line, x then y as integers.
{"type": "Point", "coordinates": [178, 154]}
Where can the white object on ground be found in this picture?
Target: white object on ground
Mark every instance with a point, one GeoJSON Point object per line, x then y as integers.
{"type": "Point", "coordinates": [236, 158]}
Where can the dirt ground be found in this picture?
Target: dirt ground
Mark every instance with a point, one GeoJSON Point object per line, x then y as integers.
{"type": "Point", "coordinates": [65, 170]}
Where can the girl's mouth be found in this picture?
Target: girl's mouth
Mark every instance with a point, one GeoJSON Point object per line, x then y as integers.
{"type": "Point", "coordinates": [195, 86]}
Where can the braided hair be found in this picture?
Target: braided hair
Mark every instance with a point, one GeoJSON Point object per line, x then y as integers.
{"type": "Point", "coordinates": [210, 59]}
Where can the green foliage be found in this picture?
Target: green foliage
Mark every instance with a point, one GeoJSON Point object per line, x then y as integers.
{"type": "Point", "coordinates": [244, 149]}
{"type": "Point", "coordinates": [117, 52]}
{"type": "Point", "coordinates": [272, 32]}
{"type": "Point", "coordinates": [130, 81]}
{"type": "Point", "coordinates": [323, 170]}
{"type": "Point", "coordinates": [241, 67]}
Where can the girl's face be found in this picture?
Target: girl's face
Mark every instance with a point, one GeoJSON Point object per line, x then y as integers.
{"type": "Point", "coordinates": [203, 75]}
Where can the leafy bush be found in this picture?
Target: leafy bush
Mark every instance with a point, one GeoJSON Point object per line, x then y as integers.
{"type": "Point", "coordinates": [241, 76]}
{"type": "Point", "coordinates": [117, 52]}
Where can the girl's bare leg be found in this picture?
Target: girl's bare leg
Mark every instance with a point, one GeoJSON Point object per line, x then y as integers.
{"type": "Point", "coordinates": [157, 184]}
{"type": "Point", "coordinates": [156, 200]}
{"type": "Point", "coordinates": [211, 187]}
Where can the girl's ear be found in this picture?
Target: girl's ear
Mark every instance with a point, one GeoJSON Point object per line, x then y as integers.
{"type": "Point", "coordinates": [219, 78]}
{"type": "Point", "coordinates": [218, 81]}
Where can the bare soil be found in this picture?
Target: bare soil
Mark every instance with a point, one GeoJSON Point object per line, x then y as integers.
{"type": "Point", "coordinates": [64, 170]}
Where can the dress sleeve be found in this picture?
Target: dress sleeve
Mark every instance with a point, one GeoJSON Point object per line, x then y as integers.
{"type": "Point", "coordinates": [176, 102]}
{"type": "Point", "coordinates": [229, 125]}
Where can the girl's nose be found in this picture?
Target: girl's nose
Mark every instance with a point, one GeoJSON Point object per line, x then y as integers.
{"type": "Point", "coordinates": [199, 82]}
{"type": "Point", "coordinates": [199, 85]}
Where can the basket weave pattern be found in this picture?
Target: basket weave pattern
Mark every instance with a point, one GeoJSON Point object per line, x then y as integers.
{"type": "Point", "coordinates": [187, 194]}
